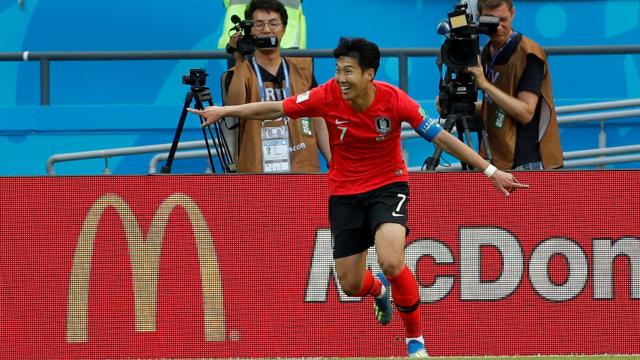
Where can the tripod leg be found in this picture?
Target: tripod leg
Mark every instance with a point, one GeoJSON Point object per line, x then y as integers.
{"type": "Point", "coordinates": [433, 161]}
{"type": "Point", "coordinates": [487, 148]}
{"type": "Point", "coordinates": [218, 139]}
{"type": "Point", "coordinates": [467, 133]}
{"type": "Point", "coordinates": [467, 136]}
{"type": "Point", "coordinates": [166, 169]}
{"type": "Point", "coordinates": [204, 134]}
{"type": "Point", "coordinates": [220, 143]}
{"type": "Point", "coordinates": [222, 147]}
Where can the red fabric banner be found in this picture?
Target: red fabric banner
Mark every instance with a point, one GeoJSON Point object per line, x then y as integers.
{"type": "Point", "coordinates": [240, 266]}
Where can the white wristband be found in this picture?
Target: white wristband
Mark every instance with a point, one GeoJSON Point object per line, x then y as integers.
{"type": "Point", "coordinates": [490, 170]}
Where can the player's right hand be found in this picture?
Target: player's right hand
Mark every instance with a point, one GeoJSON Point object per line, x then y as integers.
{"type": "Point", "coordinates": [211, 114]}
{"type": "Point", "coordinates": [506, 183]}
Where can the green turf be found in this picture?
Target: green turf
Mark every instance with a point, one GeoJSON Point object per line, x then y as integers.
{"type": "Point", "coordinates": [537, 357]}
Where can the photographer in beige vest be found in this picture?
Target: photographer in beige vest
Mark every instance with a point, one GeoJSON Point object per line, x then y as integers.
{"type": "Point", "coordinates": [280, 145]}
{"type": "Point", "coordinates": [518, 108]}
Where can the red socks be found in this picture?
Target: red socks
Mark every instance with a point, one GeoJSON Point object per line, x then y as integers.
{"type": "Point", "coordinates": [405, 295]}
{"type": "Point", "coordinates": [371, 285]}
{"type": "Point", "coordinates": [407, 299]}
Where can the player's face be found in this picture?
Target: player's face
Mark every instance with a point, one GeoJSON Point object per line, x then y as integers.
{"type": "Point", "coordinates": [267, 23]}
{"type": "Point", "coordinates": [506, 22]}
{"type": "Point", "coordinates": [354, 82]}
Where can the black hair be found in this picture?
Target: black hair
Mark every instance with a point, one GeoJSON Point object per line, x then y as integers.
{"type": "Point", "coordinates": [268, 5]}
{"type": "Point", "coordinates": [365, 52]}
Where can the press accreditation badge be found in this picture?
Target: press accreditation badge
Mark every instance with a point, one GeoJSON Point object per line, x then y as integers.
{"type": "Point", "coordinates": [306, 126]}
{"type": "Point", "coordinates": [275, 149]}
{"type": "Point", "coordinates": [499, 120]}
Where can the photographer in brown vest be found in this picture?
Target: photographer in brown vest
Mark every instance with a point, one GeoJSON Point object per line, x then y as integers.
{"type": "Point", "coordinates": [518, 109]}
{"type": "Point", "coordinates": [280, 145]}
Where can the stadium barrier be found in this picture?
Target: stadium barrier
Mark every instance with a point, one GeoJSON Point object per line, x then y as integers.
{"type": "Point", "coordinates": [240, 266]}
{"type": "Point", "coordinates": [45, 58]}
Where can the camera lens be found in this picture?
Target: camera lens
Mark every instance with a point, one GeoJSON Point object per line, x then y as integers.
{"type": "Point", "coordinates": [460, 52]}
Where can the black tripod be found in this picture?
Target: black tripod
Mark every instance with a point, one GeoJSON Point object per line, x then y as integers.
{"type": "Point", "coordinates": [200, 94]}
{"type": "Point", "coordinates": [465, 123]}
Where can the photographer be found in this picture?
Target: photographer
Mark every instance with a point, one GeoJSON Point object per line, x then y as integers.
{"type": "Point", "coordinates": [518, 109]}
{"type": "Point", "coordinates": [281, 145]}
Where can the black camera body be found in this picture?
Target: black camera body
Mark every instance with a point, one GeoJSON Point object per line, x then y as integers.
{"type": "Point", "coordinates": [458, 91]}
{"type": "Point", "coordinates": [458, 94]}
{"type": "Point", "coordinates": [197, 78]}
{"type": "Point", "coordinates": [248, 43]}
{"type": "Point", "coordinates": [462, 46]}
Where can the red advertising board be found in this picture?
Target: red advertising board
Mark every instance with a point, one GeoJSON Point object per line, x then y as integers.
{"type": "Point", "coordinates": [240, 266]}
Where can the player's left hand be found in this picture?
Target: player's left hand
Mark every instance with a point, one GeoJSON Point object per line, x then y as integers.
{"type": "Point", "coordinates": [506, 183]}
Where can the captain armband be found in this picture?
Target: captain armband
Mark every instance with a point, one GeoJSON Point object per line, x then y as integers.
{"type": "Point", "coordinates": [429, 129]}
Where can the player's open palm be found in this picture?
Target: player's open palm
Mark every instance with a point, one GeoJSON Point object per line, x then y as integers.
{"type": "Point", "coordinates": [506, 183]}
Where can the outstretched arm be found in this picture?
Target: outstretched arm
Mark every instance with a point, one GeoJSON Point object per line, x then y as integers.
{"type": "Point", "coordinates": [266, 110]}
{"type": "Point", "coordinates": [504, 182]}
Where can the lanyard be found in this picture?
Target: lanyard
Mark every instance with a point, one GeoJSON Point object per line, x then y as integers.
{"type": "Point", "coordinates": [263, 95]}
{"type": "Point", "coordinates": [497, 54]}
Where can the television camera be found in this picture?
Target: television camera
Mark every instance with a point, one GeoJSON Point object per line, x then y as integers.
{"type": "Point", "coordinates": [458, 92]}
{"type": "Point", "coordinates": [460, 50]}
{"type": "Point", "coordinates": [248, 43]}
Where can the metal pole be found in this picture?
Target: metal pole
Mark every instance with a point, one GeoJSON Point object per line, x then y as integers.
{"type": "Point", "coordinates": [602, 142]}
{"type": "Point", "coordinates": [403, 72]}
{"type": "Point", "coordinates": [44, 81]}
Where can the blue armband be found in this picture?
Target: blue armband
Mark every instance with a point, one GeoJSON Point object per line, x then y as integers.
{"type": "Point", "coordinates": [429, 129]}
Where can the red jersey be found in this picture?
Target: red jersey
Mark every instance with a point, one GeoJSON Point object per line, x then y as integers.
{"type": "Point", "coordinates": [365, 146]}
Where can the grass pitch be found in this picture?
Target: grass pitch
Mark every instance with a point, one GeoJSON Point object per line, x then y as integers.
{"type": "Point", "coordinates": [535, 357]}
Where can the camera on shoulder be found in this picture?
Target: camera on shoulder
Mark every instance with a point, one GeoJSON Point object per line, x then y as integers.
{"type": "Point", "coordinates": [248, 43]}
{"type": "Point", "coordinates": [458, 92]}
{"type": "Point", "coordinates": [462, 47]}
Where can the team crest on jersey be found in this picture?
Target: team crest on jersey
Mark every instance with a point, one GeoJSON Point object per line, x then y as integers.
{"type": "Point", "coordinates": [383, 126]}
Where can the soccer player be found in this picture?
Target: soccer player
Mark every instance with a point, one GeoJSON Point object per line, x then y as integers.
{"type": "Point", "coordinates": [367, 175]}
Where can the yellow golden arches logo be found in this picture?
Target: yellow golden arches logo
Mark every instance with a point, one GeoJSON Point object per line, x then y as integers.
{"type": "Point", "coordinates": [145, 259]}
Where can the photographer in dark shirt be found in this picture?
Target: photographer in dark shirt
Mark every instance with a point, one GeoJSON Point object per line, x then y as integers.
{"type": "Point", "coordinates": [517, 109]}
